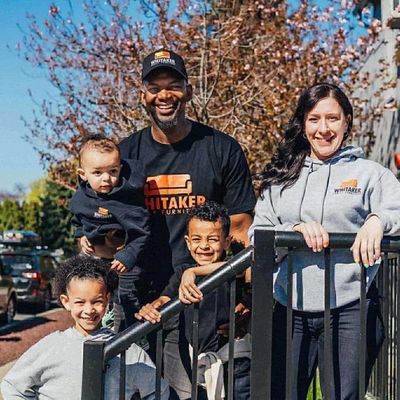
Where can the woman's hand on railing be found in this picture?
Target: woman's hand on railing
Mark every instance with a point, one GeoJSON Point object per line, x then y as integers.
{"type": "Point", "coordinates": [315, 235]}
{"type": "Point", "coordinates": [367, 244]}
{"type": "Point", "coordinates": [188, 291]}
{"type": "Point", "coordinates": [150, 312]}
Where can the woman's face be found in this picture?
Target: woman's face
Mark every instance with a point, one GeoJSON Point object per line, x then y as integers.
{"type": "Point", "coordinates": [325, 126]}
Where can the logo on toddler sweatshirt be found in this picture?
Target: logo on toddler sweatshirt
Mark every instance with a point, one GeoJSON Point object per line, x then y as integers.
{"type": "Point", "coordinates": [102, 213]}
{"type": "Point", "coordinates": [350, 186]}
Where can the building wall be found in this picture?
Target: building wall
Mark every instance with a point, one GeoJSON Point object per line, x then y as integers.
{"type": "Point", "coordinates": [386, 128]}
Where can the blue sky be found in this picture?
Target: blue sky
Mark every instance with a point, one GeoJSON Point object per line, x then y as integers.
{"type": "Point", "coordinates": [19, 163]}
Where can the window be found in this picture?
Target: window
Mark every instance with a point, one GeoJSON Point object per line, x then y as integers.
{"type": "Point", "coordinates": [375, 4]}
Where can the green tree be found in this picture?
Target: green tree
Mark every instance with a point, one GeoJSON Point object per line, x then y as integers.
{"type": "Point", "coordinates": [11, 215]}
{"type": "Point", "coordinates": [32, 216]}
{"type": "Point", "coordinates": [55, 228]}
{"type": "Point", "coordinates": [36, 191]}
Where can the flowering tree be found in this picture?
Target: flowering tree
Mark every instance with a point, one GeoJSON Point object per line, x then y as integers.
{"type": "Point", "coordinates": [248, 62]}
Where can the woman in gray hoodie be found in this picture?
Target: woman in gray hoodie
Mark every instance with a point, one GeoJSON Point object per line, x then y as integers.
{"type": "Point", "coordinates": [315, 185]}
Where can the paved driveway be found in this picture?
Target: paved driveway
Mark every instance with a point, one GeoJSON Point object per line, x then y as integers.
{"type": "Point", "coordinates": [18, 337]}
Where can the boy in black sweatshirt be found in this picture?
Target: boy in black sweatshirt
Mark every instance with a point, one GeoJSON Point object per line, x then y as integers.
{"type": "Point", "coordinates": [108, 208]}
{"type": "Point", "coordinates": [208, 240]}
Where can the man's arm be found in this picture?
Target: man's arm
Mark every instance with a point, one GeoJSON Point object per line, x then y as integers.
{"type": "Point", "coordinates": [150, 311]}
{"type": "Point", "coordinates": [240, 224]}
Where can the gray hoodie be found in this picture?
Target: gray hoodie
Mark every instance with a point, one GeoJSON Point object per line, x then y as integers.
{"type": "Point", "coordinates": [339, 193]}
{"type": "Point", "coordinates": [52, 370]}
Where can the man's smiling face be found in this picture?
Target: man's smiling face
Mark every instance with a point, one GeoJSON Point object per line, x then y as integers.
{"type": "Point", "coordinates": [164, 95]}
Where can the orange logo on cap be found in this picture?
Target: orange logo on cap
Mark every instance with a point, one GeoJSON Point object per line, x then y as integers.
{"type": "Point", "coordinates": [162, 54]}
{"type": "Point", "coordinates": [350, 183]}
{"type": "Point", "coordinates": [103, 211]}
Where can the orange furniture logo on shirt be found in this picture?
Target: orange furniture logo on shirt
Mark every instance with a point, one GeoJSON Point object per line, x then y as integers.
{"type": "Point", "coordinates": [168, 185]}
{"type": "Point", "coordinates": [170, 194]}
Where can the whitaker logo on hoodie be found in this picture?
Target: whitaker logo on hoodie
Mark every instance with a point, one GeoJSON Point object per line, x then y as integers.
{"type": "Point", "coordinates": [350, 186]}
{"type": "Point", "coordinates": [102, 213]}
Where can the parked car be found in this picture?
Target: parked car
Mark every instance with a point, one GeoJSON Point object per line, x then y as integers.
{"type": "Point", "coordinates": [8, 295]}
{"type": "Point", "coordinates": [33, 272]}
{"type": "Point", "coordinates": [21, 237]}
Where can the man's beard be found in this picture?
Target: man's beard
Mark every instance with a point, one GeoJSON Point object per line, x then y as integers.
{"type": "Point", "coordinates": [169, 123]}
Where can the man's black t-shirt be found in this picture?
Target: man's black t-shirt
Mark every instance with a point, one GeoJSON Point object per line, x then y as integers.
{"type": "Point", "coordinates": [205, 165]}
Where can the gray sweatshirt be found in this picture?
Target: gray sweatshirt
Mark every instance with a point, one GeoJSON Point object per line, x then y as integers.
{"type": "Point", "coordinates": [339, 193]}
{"type": "Point", "coordinates": [52, 370]}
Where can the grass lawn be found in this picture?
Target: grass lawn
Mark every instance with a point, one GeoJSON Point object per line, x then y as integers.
{"type": "Point", "coordinates": [318, 389]}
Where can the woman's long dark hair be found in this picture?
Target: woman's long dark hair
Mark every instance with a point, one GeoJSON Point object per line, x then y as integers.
{"type": "Point", "coordinates": [286, 163]}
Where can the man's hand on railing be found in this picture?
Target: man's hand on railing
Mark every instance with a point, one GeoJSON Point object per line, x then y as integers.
{"type": "Point", "coordinates": [150, 312]}
{"type": "Point", "coordinates": [367, 244]}
{"type": "Point", "coordinates": [242, 320]}
{"type": "Point", "coordinates": [188, 291]}
{"type": "Point", "coordinates": [315, 235]}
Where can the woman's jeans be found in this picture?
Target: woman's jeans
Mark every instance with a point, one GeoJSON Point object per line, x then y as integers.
{"type": "Point", "coordinates": [308, 349]}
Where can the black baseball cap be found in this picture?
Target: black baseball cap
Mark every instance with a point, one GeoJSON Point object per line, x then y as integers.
{"type": "Point", "coordinates": [163, 58]}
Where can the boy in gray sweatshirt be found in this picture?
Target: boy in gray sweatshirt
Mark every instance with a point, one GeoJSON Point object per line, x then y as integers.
{"type": "Point", "coordinates": [52, 368]}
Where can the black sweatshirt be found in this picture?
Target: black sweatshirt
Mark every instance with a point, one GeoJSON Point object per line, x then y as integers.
{"type": "Point", "coordinates": [213, 312]}
{"type": "Point", "coordinates": [122, 209]}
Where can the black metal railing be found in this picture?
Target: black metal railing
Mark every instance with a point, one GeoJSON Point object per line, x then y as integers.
{"type": "Point", "coordinates": [383, 385]}
{"type": "Point", "coordinates": [97, 354]}
{"type": "Point", "coordinates": [384, 382]}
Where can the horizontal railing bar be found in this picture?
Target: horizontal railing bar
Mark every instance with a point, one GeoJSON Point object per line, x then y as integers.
{"type": "Point", "coordinates": [336, 240]}
{"type": "Point", "coordinates": [229, 270]}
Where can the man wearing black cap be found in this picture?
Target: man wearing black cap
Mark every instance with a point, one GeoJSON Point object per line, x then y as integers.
{"type": "Point", "coordinates": [186, 164]}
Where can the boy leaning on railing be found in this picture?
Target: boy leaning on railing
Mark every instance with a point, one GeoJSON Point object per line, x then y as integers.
{"type": "Point", "coordinates": [208, 240]}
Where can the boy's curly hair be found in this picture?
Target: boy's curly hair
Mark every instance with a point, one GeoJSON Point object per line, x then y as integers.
{"type": "Point", "coordinates": [84, 267]}
{"type": "Point", "coordinates": [211, 211]}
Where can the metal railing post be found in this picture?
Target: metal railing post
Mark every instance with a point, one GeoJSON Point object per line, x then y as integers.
{"type": "Point", "coordinates": [159, 362]}
{"type": "Point", "coordinates": [261, 317]}
{"type": "Point", "coordinates": [327, 324]}
{"type": "Point", "coordinates": [385, 303]}
{"type": "Point", "coordinates": [397, 334]}
{"type": "Point", "coordinates": [231, 360]}
{"type": "Point", "coordinates": [195, 344]}
{"type": "Point", "coordinates": [93, 371]}
{"type": "Point", "coordinates": [289, 325]}
{"type": "Point", "coordinates": [363, 332]}
{"type": "Point", "coordinates": [122, 375]}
